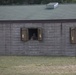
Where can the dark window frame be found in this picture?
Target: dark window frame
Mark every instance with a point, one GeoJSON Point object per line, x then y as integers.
{"type": "Point", "coordinates": [72, 35]}
{"type": "Point", "coordinates": [39, 34]}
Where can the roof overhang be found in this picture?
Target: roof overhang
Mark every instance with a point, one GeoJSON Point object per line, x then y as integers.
{"type": "Point", "coordinates": [39, 21]}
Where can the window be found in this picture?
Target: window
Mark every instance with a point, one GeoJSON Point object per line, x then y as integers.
{"type": "Point", "coordinates": [73, 35]}
{"type": "Point", "coordinates": [31, 34]}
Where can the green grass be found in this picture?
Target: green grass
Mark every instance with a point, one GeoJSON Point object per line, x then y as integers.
{"type": "Point", "coordinates": [37, 65]}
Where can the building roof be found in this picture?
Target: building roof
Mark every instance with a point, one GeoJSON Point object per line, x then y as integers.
{"type": "Point", "coordinates": [37, 12]}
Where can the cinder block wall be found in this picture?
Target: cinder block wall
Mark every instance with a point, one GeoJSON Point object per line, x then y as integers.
{"type": "Point", "coordinates": [56, 40]}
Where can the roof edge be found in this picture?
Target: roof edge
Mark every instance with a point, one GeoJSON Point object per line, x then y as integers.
{"type": "Point", "coordinates": [38, 21]}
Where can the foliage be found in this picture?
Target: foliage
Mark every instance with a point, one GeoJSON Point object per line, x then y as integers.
{"type": "Point", "coordinates": [21, 2]}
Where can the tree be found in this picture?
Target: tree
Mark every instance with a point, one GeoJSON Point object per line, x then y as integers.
{"type": "Point", "coordinates": [16, 2]}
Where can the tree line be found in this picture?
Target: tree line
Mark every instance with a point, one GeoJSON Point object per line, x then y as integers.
{"type": "Point", "coordinates": [26, 2]}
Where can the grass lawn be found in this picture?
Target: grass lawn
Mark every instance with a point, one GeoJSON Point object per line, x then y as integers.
{"type": "Point", "coordinates": [37, 65]}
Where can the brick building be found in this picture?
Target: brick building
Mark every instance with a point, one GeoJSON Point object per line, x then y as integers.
{"type": "Point", "coordinates": [36, 30]}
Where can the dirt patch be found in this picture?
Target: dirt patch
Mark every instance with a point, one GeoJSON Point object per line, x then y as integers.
{"type": "Point", "coordinates": [31, 68]}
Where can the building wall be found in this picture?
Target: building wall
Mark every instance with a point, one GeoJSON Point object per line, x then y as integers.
{"type": "Point", "coordinates": [56, 40]}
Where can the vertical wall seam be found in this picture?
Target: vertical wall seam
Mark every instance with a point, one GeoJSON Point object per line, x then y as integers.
{"type": "Point", "coordinates": [10, 38]}
{"type": "Point", "coordinates": [61, 33]}
{"type": "Point", "coordinates": [61, 29]}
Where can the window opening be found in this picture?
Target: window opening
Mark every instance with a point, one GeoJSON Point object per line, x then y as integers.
{"type": "Point", "coordinates": [33, 33]}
